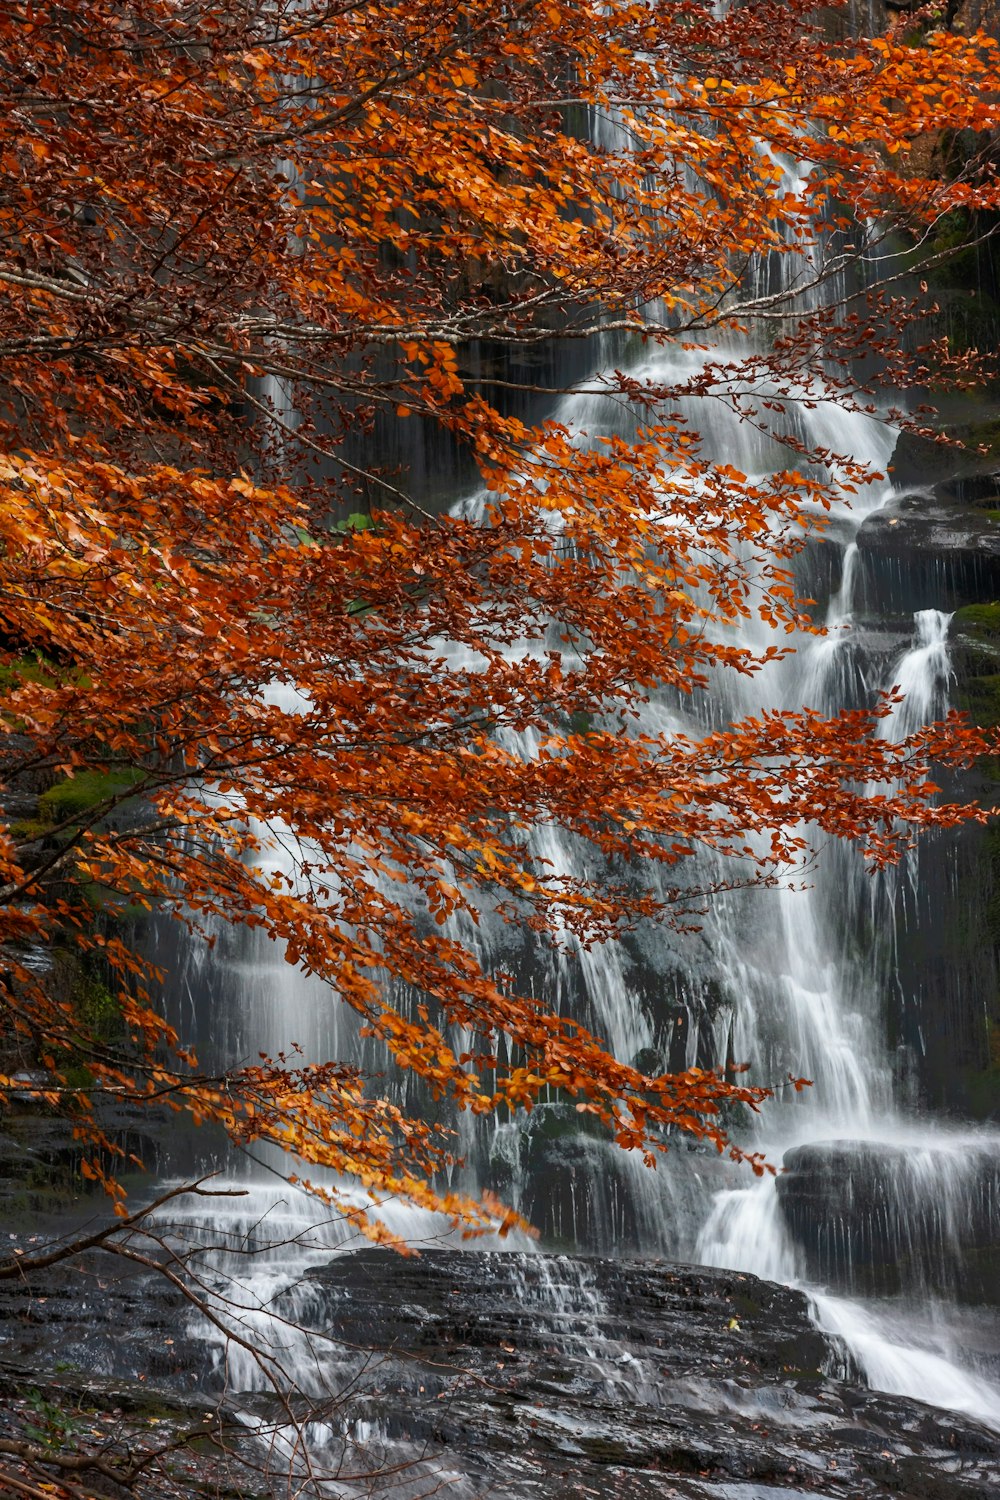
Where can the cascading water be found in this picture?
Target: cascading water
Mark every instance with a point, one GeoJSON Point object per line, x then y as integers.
{"type": "Point", "coordinates": [879, 1205]}
{"type": "Point", "coordinates": [771, 980]}
{"type": "Point", "coordinates": [871, 1200]}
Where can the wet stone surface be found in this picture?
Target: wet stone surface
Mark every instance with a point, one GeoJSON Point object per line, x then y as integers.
{"type": "Point", "coordinates": [505, 1376]}
{"type": "Point", "coordinates": [560, 1377]}
{"type": "Point", "coordinates": [930, 545]}
{"type": "Point", "coordinates": [874, 1218]}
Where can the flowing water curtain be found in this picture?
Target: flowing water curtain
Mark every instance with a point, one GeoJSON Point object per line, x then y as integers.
{"type": "Point", "coordinates": [822, 1048]}
{"type": "Point", "coordinates": [840, 1042]}
{"type": "Point", "coordinates": [823, 1027]}
{"type": "Point", "coordinates": [400, 755]}
{"type": "Point", "coordinates": [601, 250]}
{"type": "Point", "coordinates": [620, 1007]}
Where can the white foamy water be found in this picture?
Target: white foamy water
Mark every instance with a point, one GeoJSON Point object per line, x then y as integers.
{"type": "Point", "coordinates": [908, 1354]}
{"type": "Point", "coordinates": [939, 1173]}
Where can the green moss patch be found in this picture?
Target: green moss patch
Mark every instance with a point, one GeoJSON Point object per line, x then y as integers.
{"type": "Point", "coordinates": [356, 521]}
{"type": "Point", "coordinates": [984, 619]}
{"type": "Point", "coordinates": [35, 667]}
{"type": "Point", "coordinates": [26, 669]}
{"type": "Point", "coordinates": [98, 1008]}
{"type": "Point", "coordinates": [983, 434]}
{"type": "Point", "coordinates": [979, 696]}
{"type": "Point", "coordinates": [990, 907]}
{"type": "Point", "coordinates": [78, 794]}
{"type": "Point", "coordinates": [111, 903]}
{"type": "Point", "coordinates": [27, 830]}
{"type": "Point", "coordinates": [977, 631]}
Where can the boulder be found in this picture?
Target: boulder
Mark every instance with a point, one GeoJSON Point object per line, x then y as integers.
{"type": "Point", "coordinates": [518, 1375]}
{"type": "Point", "coordinates": [929, 549]}
{"type": "Point", "coordinates": [874, 1218]}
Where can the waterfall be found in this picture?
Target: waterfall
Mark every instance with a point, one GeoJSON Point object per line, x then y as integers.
{"type": "Point", "coordinates": [879, 1212]}
{"type": "Point", "coordinates": [778, 978]}
{"type": "Point", "coordinates": [873, 1200]}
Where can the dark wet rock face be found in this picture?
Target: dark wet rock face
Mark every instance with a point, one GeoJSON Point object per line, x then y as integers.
{"type": "Point", "coordinates": [577, 1187]}
{"type": "Point", "coordinates": [530, 1377]}
{"type": "Point", "coordinates": [876, 1219]}
{"type": "Point", "coordinates": [40, 1158]}
{"type": "Point", "coordinates": [936, 544]}
{"type": "Point", "coordinates": [931, 545]}
{"type": "Point", "coordinates": [561, 1377]}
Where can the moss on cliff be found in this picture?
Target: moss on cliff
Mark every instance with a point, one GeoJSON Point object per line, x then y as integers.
{"type": "Point", "coordinates": [982, 619]}
{"type": "Point", "coordinates": [75, 795]}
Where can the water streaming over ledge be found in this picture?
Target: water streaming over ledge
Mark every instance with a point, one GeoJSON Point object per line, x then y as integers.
{"type": "Point", "coordinates": [883, 1216]}
{"type": "Point", "coordinates": [880, 1215]}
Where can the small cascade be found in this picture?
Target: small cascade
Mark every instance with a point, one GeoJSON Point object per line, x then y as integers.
{"type": "Point", "coordinates": [831, 676]}
{"type": "Point", "coordinates": [922, 675]}
{"type": "Point", "coordinates": [877, 1205]}
{"type": "Point", "coordinates": [925, 1352]}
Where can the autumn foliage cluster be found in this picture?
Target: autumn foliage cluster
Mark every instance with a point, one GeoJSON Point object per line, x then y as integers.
{"type": "Point", "coordinates": [238, 241]}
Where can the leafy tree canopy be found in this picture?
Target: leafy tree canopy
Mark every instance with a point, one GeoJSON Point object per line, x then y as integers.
{"type": "Point", "coordinates": [236, 238]}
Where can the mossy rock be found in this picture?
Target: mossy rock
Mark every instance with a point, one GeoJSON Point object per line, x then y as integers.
{"type": "Point", "coordinates": [983, 434]}
{"type": "Point", "coordinates": [28, 830]}
{"type": "Point", "coordinates": [979, 697]}
{"type": "Point", "coordinates": [971, 318]}
{"type": "Point", "coordinates": [976, 628]}
{"type": "Point", "coordinates": [108, 902]}
{"type": "Point", "coordinates": [979, 619]}
{"type": "Point", "coordinates": [922, 462]}
{"type": "Point", "coordinates": [988, 902]}
{"type": "Point", "coordinates": [76, 795]}
{"type": "Point", "coordinates": [98, 1007]}
{"type": "Point", "coordinates": [556, 1122]}
{"type": "Point", "coordinates": [982, 1090]}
